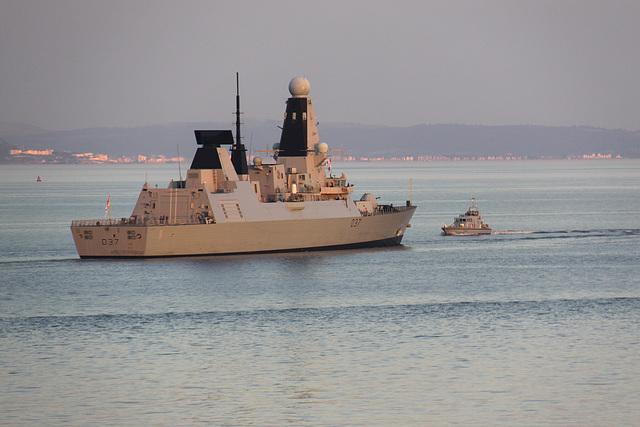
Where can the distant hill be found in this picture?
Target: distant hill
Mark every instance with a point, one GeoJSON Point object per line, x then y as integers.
{"type": "Point", "coordinates": [357, 140]}
{"type": "Point", "coordinates": [160, 140]}
{"type": "Point", "coordinates": [463, 140]}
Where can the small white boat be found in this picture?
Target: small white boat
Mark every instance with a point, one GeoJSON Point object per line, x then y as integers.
{"type": "Point", "coordinates": [469, 223]}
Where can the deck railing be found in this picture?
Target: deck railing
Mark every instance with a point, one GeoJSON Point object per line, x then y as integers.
{"type": "Point", "coordinates": [386, 209]}
{"type": "Point", "coordinates": [124, 222]}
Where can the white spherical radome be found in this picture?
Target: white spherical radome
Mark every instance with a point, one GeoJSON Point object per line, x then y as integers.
{"type": "Point", "coordinates": [299, 87]}
{"type": "Point", "coordinates": [322, 147]}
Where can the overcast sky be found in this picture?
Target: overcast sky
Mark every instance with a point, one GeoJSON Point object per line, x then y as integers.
{"type": "Point", "coordinates": [69, 64]}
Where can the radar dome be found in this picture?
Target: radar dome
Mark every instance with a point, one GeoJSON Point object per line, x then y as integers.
{"type": "Point", "coordinates": [257, 161]}
{"type": "Point", "coordinates": [299, 87]}
{"type": "Point", "coordinates": [323, 147]}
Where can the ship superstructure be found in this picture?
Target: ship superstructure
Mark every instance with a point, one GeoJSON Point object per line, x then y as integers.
{"type": "Point", "coordinates": [226, 206]}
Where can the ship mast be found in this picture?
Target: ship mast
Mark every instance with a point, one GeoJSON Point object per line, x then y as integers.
{"type": "Point", "coordinates": [238, 150]}
{"type": "Point", "coordinates": [238, 137]}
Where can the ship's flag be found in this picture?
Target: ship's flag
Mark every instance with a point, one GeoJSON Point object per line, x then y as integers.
{"type": "Point", "coordinates": [329, 163]}
{"type": "Point", "coordinates": [108, 207]}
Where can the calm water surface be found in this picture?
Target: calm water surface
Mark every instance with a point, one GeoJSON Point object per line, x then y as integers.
{"type": "Point", "coordinates": [535, 324]}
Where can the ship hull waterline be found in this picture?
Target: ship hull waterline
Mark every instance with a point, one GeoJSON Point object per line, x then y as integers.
{"type": "Point", "coordinates": [459, 231]}
{"type": "Point", "coordinates": [247, 237]}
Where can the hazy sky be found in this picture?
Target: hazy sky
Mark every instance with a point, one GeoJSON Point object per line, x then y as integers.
{"type": "Point", "coordinates": [67, 64]}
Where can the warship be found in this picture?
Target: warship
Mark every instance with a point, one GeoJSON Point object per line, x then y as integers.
{"type": "Point", "coordinates": [470, 223]}
{"type": "Point", "coordinates": [226, 206]}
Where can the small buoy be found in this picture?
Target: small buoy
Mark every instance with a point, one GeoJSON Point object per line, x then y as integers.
{"type": "Point", "coordinates": [38, 180]}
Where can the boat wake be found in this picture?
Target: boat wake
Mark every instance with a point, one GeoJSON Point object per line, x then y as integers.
{"type": "Point", "coordinates": [512, 232]}
{"type": "Point", "coordinates": [30, 261]}
{"type": "Point", "coordinates": [101, 322]}
{"type": "Point", "coordinates": [572, 233]}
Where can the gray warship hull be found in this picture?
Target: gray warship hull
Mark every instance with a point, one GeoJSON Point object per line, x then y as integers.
{"type": "Point", "coordinates": [118, 239]}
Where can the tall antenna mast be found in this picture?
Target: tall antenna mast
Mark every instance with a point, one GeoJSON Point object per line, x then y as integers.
{"type": "Point", "coordinates": [238, 137]}
{"type": "Point", "coordinates": [238, 150]}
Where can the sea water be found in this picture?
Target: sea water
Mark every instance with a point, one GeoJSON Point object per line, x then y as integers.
{"type": "Point", "coordinates": [537, 323]}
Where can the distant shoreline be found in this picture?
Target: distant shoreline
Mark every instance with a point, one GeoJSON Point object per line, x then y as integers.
{"type": "Point", "coordinates": [353, 142]}
{"type": "Point", "coordinates": [106, 160]}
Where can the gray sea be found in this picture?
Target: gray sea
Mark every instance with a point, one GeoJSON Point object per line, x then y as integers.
{"type": "Point", "coordinates": [538, 323]}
